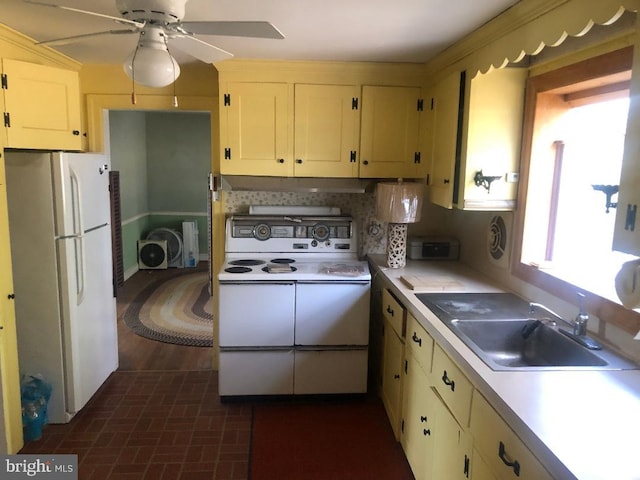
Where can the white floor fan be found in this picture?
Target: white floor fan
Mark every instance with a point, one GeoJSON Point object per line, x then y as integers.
{"type": "Point", "coordinates": [159, 25]}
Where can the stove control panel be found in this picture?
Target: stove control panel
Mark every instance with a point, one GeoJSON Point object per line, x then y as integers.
{"type": "Point", "coordinates": [319, 229]}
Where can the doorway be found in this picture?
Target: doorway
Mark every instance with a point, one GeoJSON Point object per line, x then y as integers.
{"type": "Point", "coordinates": [163, 159]}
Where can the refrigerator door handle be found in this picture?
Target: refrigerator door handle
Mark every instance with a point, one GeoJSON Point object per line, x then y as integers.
{"type": "Point", "coordinates": [76, 203]}
{"type": "Point", "coordinates": [78, 243]}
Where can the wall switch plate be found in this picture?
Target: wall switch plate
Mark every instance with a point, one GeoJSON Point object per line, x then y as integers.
{"type": "Point", "coordinates": [512, 177]}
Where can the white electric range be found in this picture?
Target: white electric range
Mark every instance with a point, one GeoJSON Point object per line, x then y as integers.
{"type": "Point", "coordinates": [294, 306]}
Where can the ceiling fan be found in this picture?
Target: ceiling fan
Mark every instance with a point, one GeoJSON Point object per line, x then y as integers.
{"type": "Point", "coordinates": [159, 25]}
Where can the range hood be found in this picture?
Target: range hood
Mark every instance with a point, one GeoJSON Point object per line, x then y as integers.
{"type": "Point", "coordinates": [297, 184]}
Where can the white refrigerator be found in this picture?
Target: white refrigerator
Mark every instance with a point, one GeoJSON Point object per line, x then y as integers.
{"type": "Point", "coordinates": [59, 222]}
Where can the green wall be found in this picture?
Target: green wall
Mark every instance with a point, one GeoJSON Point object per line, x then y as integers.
{"type": "Point", "coordinates": [164, 160]}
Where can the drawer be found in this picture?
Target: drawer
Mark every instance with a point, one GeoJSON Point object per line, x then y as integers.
{"type": "Point", "coordinates": [420, 343]}
{"type": "Point", "coordinates": [394, 312]}
{"type": "Point", "coordinates": [505, 454]}
{"type": "Point", "coordinates": [454, 388]}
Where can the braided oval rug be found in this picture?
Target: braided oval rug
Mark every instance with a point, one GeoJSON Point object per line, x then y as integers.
{"type": "Point", "coordinates": [175, 310]}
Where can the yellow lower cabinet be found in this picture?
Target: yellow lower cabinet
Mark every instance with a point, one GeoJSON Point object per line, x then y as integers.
{"type": "Point", "coordinates": [392, 365]}
{"type": "Point", "coordinates": [452, 385]}
{"type": "Point", "coordinates": [452, 451]}
{"type": "Point", "coordinates": [480, 470]}
{"type": "Point", "coordinates": [505, 454]}
{"type": "Point", "coordinates": [418, 416]}
{"type": "Point", "coordinates": [435, 445]}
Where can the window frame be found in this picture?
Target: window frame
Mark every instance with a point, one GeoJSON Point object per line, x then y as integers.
{"type": "Point", "coordinates": [599, 66]}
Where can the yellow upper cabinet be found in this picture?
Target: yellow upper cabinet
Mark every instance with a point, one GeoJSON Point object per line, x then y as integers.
{"type": "Point", "coordinates": [389, 138]}
{"type": "Point", "coordinates": [476, 148]}
{"type": "Point", "coordinates": [443, 138]}
{"type": "Point", "coordinates": [254, 129]}
{"type": "Point", "coordinates": [42, 106]}
{"type": "Point", "coordinates": [326, 130]}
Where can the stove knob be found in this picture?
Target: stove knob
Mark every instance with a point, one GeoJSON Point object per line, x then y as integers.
{"type": "Point", "coordinates": [314, 243]}
{"type": "Point", "coordinates": [328, 243]}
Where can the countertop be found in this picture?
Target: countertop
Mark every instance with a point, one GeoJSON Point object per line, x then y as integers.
{"type": "Point", "coordinates": [581, 424]}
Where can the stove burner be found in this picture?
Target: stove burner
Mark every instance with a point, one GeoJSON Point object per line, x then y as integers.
{"type": "Point", "coordinates": [246, 262]}
{"type": "Point", "coordinates": [276, 269]}
{"type": "Point", "coordinates": [237, 269]}
{"type": "Point", "coordinates": [282, 260]}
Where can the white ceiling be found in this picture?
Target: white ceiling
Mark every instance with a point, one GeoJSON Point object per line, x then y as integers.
{"type": "Point", "coordinates": [342, 30]}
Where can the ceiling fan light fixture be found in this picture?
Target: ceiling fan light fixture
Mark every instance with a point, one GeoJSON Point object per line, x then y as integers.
{"type": "Point", "coordinates": [151, 64]}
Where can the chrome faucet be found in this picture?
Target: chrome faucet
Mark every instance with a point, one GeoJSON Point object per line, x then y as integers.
{"type": "Point", "coordinates": [538, 306]}
{"type": "Point", "coordinates": [580, 322]}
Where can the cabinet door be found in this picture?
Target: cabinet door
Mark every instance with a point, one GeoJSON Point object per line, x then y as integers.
{"type": "Point", "coordinates": [254, 129]}
{"type": "Point", "coordinates": [480, 470]}
{"type": "Point", "coordinates": [326, 130]}
{"type": "Point", "coordinates": [452, 385]}
{"type": "Point", "coordinates": [626, 235]}
{"type": "Point", "coordinates": [444, 118]}
{"type": "Point", "coordinates": [491, 138]}
{"type": "Point", "coordinates": [505, 454]}
{"type": "Point", "coordinates": [43, 106]}
{"type": "Point", "coordinates": [418, 418]}
{"type": "Point", "coordinates": [389, 137]}
{"type": "Point", "coordinates": [452, 455]}
{"type": "Point", "coordinates": [11, 415]}
{"type": "Point", "coordinates": [392, 376]}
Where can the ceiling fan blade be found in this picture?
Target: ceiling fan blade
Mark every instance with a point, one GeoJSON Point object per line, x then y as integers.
{"type": "Point", "coordinates": [73, 38]}
{"type": "Point", "coordinates": [86, 12]}
{"type": "Point", "coordinates": [234, 29]}
{"type": "Point", "coordinates": [198, 49]}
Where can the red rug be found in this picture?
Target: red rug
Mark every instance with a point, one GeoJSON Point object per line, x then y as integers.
{"type": "Point", "coordinates": [325, 441]}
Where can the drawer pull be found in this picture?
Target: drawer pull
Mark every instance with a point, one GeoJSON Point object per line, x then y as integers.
{"type": "Point", "coordinates": [416, 339]}
{"type": "Point", "coordinates": [448, 382]}
{"type": "Point", "coordinates": [396, 376]}
{"type": "Point", "coordinates": [423, 418]}
{"type": "Point", "coordinates": [389, 310]}
{"type": "Point", "coordinates": [503, 456]}
{"type": "Point", "coordinates": [426, 432]}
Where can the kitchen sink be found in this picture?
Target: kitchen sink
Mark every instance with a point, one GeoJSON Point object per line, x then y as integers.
{"type": "Point", "coordinates": [497, 327]}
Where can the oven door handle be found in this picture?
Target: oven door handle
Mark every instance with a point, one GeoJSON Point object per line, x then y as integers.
{"type": "Point", "coordinates": [255, 282]}
{"type": "Point", "coordinates": [334, 282]}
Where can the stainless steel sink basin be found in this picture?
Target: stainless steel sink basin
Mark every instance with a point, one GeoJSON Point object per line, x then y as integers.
{"type": "Point", "coordinates": [497, 328]}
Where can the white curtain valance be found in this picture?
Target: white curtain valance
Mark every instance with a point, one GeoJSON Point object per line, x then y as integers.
{"type": "Point", "coordinates": [525, 29]}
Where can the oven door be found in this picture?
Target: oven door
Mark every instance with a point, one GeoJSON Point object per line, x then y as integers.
{"type": "Point", "coordinates": [332, 313]}
{"type": "Point", "coordinates": [256, 314]}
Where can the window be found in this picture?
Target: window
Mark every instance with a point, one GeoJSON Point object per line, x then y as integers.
{"type": "Point", "coordinates": [574, 136]}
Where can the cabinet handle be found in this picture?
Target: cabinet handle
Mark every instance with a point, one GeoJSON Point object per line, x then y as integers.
{"type": "Point", "coordinates": [396, 376]}
{"type": "Point", "coordinates": [426, 432]}
{"type": "Point", "coordinates": [448, 382]}
{"type": "Point", "coordinates": [416, 339]}
{"type": "Point", "coordinates": [365, 162]}
{"type": "Point", "coordinates": [446, 181]}
{"type": "Point", "coordinates": [76, 132]}
{"type": "Point", "coordinates": [389, 310]}
{"type": "Point", "coordinates": [503, 456]}
{"type": "Point", "coordinates": [423, 418]}
{"type": "Point", "coordinates": [11, 296]}
{"type": "Point", "coordinates": [466, 466]}
{"type": "Point", "coordinates": [281, 160]}
{"type": "Point", "coordinates": [298, 160]}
